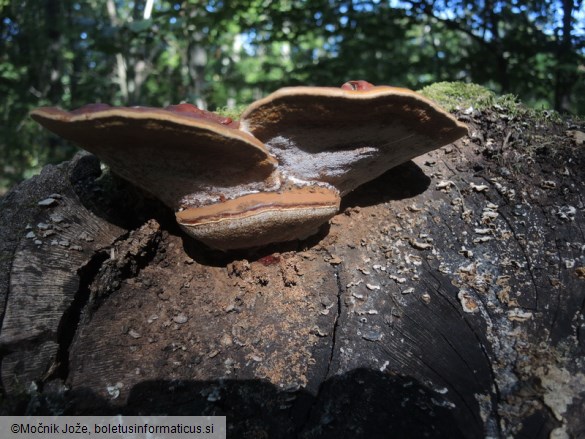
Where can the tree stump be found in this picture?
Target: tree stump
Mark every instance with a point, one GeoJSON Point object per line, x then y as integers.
{"type": "Point", "coordinates": [445, 300]}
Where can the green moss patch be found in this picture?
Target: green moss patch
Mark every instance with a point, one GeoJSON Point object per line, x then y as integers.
{"type": "Point", "coordinates": [234, 112]}
{"type": "Point", "coordinates": [461, 95]}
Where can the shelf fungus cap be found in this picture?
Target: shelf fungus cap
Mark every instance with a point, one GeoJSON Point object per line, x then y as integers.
{"type": "Point", "coordinates": [347, 136]}
{"type": "Point", "coordinates": [262, 218]}
{"type": "Point", "coordinates": [274, 176]}
{"type": "Point", "coordinates": [173, 153]}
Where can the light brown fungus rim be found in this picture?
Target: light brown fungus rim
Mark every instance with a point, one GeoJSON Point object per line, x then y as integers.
{"type": "Point", "coordinates": [253, 204]}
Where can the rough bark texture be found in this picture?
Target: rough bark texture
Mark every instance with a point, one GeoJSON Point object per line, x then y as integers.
{"type": "Point", "coordinates": [445, 300]}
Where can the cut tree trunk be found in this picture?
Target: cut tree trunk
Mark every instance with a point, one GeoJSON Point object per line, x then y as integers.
{"type": "Point", "coordinates": [445, 300]}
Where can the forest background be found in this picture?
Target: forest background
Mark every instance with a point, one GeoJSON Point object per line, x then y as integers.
{"type": "Point", "coordinates": [225, 54]}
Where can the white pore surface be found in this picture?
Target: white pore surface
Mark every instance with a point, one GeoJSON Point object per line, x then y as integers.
{"type": "Point", "coordinates": [328, 166]}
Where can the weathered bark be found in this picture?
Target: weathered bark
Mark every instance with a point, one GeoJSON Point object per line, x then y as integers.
{"type": "Point", "coordinates": [446, 299]}
{"type": "Point", "coordinates": [47, 237]}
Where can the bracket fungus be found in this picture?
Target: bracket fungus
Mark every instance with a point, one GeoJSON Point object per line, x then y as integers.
{"type": "Point", "coordinates": [276, 175]}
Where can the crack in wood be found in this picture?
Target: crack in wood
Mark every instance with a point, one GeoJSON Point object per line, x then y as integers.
{"type": "Point", "coordinates": [138, 249]}
{"type": "Point", "coordinates": [316, 399]}
{"type": "Point", "coordinates": [335, 322]}
{"type": "Point", "coordinates": [72, 316]}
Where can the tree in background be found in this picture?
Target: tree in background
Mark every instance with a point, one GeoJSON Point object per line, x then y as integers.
{"type": "Point", "coordinates": [534, 49]}
{"type": "Point", "coordinates": [220, 53]}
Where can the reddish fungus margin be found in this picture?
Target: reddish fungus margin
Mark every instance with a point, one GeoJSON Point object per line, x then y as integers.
{"type": "Point", "coordinates": [185, 109]}
{"type": "Point", "coordinates": [91, 108]}
{"type": "Point", "coordinates": [194, 111]}
{"type": "Point", "coordinates": [357, 85]}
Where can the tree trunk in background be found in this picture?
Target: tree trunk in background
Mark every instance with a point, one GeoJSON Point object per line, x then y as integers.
{"type": "Point", "coordinates": [77, 62]}
{"type": "Point", "coordinates": [54, 42]}
{"type": "Point", "coordinates": [197, 60]}
{"type": "Point", "coordinates": [567, 64]}
{"type": "Point", "coordinates": [132, 67]}
{"type": "Point", "coordinates": [121, 66]}
{"type": "Point", "coordinates": [445, 300]}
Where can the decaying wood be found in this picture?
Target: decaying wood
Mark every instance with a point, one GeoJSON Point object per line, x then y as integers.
{"type": "Point", "coordinates": [57, 237]}
{"type": "Point", "coordinates": [445, 300]}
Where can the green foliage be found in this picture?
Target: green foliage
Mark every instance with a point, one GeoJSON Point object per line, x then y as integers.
{"type": "Point", "coordinates": [223, 55]}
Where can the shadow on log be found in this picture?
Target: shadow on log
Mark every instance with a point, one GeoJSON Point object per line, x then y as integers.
{"type": "Point", "coordinates": [363, 403]}
{"type": "Point", "coordinates": [445, 300]}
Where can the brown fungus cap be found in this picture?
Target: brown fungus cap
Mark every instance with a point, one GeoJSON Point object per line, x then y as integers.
{"type": "Point", "coordinates": [171, 153]}
{"type": "Point", "coordinates": [347, 136]}
{"type": "Point", "coordinates": [261, 218]}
